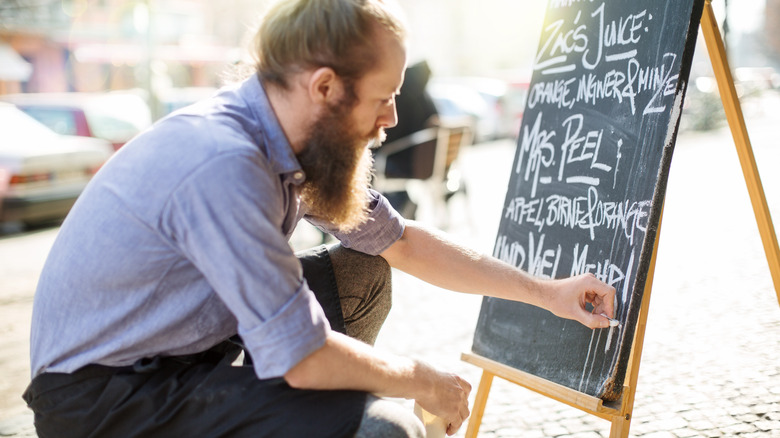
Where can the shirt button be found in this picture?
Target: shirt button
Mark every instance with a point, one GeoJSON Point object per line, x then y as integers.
{"type": "Point", "coordinates": [298, 175]}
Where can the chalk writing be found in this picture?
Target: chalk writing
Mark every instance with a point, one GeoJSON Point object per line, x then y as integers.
{"type": "Point", "coordinates": [541, 261]}
{"type": "Point", "coordinates": [587, 213]}
{"type": "Point", "coordinates": [589, 174]}
{"type": "Point", "coordinates": [578, 153]}
{"type": "Point", "coordinates": [654, 83]}
{"type": "Point", "coordinates": [561, 41]}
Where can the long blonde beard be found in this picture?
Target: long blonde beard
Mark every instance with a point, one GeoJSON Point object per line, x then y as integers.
{"type": "Point", "coordinates": [350, 210]}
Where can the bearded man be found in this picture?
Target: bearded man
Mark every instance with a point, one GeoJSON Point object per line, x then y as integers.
{"type": "Point", "coordinates": [176, 259]}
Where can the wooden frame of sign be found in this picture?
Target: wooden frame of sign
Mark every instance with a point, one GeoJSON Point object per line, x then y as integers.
{"type": "Point", "coordinates": [619, 411]}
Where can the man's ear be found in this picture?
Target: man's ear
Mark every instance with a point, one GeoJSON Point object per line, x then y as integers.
{"type": "Point", "coordinates": [325, 86]}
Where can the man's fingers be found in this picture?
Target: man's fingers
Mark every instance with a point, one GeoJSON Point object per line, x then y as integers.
{"type": "Point", "coordinates": [463, 409]}
{"type": "Point", "coordinates": [600, 295]}
{"type": "Point", "coordinates": [465, 385]}
{"type": "Point", "coordinates": [453, 427]}
{"type": "Point", "coordinates": [603, 309]}
{"type": "Point", "coordinates": [593, 320]}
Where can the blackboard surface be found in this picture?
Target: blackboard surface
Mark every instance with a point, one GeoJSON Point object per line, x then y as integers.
{"type": "Point", "coordinates": [589, 178]}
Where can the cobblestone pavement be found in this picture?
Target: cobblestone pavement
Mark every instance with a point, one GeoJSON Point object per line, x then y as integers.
{"type": "Point", "coordinates": [711, 360]}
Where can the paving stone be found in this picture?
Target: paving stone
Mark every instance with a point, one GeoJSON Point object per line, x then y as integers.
{"type": "Point", "coordinates": [662, 434]}
{"type": "Point", "coordinates": [763, 409]}
{"type": "Point", "coordinates": [693, 415]}
{"type": "Point", "coordinates": [740, 428]}
{"type": "Point", "coordinates": [587, 435]}
{"type": "Point", "coordinates": [737, 410]}
{"type": "Point", "coordinates": [667, 424]}
{"type": "Point", "coordinates": [701, 425]}
{"type": "Point", "coordinates": [554, 430]}
{"type": "Point", "coordinates": [19, 426]}
{"type": "Point", "coordinates": [767, 425]}
{"type": "Point", "coordinates": [753, 435]}
{"type": "Point", "coordinates": [685, 433]}
{"type": "Point", "coordinates": [747, 418]}
{"type": "Point", "coordinates": [576, 425]}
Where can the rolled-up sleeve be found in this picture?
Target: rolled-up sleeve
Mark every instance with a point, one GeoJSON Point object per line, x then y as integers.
{"type": "Point", "coordinates": [295, 331]}
{"type": "Point", "coordinates": [383, 228]}
{"type": "Point", "coordinates": [231, 233]}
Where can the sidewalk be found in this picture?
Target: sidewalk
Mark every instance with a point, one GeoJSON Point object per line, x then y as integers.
{"type": "Point", "coordinates": [711, 360]}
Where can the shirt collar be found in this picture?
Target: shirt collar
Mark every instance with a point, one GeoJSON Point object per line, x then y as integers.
{"type": "Point", "coordinates": [280, 153]}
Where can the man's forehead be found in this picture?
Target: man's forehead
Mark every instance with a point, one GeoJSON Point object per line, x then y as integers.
{"type": "Point", "coordinates": [389, 74]}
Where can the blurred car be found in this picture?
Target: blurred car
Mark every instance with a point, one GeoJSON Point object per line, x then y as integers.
{"type": "Point", "coordinates": [514, 106]}
{"type": "Point", "coordinates": [495, 106]}
{"type": "Point", "coordinates": [114, 116]}
{"type": "Point", "coordinates": [456, 102]}
{"type": "Point", "coordinates": [42, 172]}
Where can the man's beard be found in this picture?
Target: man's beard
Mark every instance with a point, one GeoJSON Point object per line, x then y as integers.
{"type": "Point", "coordinates": [338, 164]}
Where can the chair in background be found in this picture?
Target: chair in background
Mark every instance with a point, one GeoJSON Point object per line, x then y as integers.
{"type": "Point", "coordinates": [435, 176]}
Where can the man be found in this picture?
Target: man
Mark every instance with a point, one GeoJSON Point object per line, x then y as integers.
{"type": "Point", "coordinates": [175, 259]}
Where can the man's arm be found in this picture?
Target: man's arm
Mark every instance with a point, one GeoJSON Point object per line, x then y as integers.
{"type": "Point", "coordinates": [345, 363]}
{"type": "Point", "coordinates": [432, 257]}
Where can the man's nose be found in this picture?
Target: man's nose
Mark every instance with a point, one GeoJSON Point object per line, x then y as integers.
{"type": "Point", "coordinates": [389, 117]}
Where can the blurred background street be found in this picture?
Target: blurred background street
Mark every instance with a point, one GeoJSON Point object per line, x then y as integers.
{"type": "Point", "coordinates": [711, 361]}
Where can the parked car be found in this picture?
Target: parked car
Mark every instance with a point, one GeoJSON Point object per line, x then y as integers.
{"type": "Point", "coordinates": [456, 102]}
{"type": "Point", "coordinates": [114, 116]}
{"type": "Point", "coordinates": [42, 172]}
{"type": "Point", "coordinates": [494, 105]}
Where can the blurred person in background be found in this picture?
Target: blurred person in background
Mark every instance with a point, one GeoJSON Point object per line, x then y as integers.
{"type": "Point", "coordinates": [416, 111]}
{"type": "Point", "coordinates": [175, 260]}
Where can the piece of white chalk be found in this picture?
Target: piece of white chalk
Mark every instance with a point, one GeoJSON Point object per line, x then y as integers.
{"type": "Point", "coordinates": [612, 322]}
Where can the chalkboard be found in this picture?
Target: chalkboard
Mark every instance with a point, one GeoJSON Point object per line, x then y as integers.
{"type": "Point", "coordinates": [588, 180]}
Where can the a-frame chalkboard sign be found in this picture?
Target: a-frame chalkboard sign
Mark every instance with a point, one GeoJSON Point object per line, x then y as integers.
{"type": "Point", "coordinates": [587, 189]}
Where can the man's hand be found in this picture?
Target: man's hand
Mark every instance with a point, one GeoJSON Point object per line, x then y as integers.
{"type": "Point", "coordinates": [570, 297]}
{"type": "Point", "coordinates": [346, 363]}
{"type": "Point", "coordinates": [443, 394]}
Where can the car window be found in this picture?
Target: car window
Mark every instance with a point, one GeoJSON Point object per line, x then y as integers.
{"type": "Point", "coordinates": [117, 117]}
{"type": "Point", "coordinates": [61, 120]}
{"type": "Point", "coordinates": [15, 125]}
{"type": "Point", "coordinates": [111, 128]}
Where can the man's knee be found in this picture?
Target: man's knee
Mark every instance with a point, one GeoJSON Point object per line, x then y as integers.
{"type": "Point", "coordinates": [360, 267]}
{"type": "Point", "coordinates": [382, 290]}
{"type": "Point", "coordinates": [364, 285]}
{"type": "Point", "coordinates": [387, 419]}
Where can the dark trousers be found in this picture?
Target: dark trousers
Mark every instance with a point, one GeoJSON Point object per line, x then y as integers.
{"type": "Point", "coordinates": [205, 394]}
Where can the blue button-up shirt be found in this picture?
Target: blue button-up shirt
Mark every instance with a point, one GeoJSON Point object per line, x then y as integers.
{"type": "Point", "coordinates": [181, 241]}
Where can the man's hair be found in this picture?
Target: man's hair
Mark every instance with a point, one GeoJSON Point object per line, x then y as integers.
{"type": "Point", "coordinates": [297, 35]}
